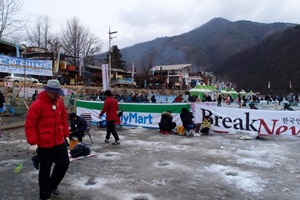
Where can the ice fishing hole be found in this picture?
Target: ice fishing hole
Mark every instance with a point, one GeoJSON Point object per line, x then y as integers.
{"type": "Point", "coordinates": [231, 173]}
{"type": "Point", "coordinates": [140, 198]}
{"type": "Point", "coordinates": [91, 182]}
{"type": "Point", "coordinates": [109, 155]}
{"type": "Point", "coordinates": [163, 164]}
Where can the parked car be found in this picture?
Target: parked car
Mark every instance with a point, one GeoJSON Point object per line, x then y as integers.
{"type": "Point", "coordinates": [18, 78]}
{"type": "Point", "coordinates": [44, 79]}
{"type": "Point", "coordinates": [62, 80]}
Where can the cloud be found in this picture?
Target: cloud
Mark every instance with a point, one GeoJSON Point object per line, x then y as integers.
{"type": "Point", "coordinates": [140, 21]}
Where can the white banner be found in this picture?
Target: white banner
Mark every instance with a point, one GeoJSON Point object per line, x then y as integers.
{"type": "Point", "coordinates": [262, 122]}
{"type": "Point", "coordinates": [105, 77]}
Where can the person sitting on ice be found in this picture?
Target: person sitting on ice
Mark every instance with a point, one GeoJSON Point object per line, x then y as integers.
{"type": "Point", "coordinates": [205, 125]}
{"type": "Point", "coordinates": [78, 127]}
{"type": "Point", "coordinates": [252, 105]}
{"type": "Point", "coordinates": [187, 120]}
{"type": "Point", "coordinates": [166, 124]}
{"type": "Point", "coordinates": [287, 107]}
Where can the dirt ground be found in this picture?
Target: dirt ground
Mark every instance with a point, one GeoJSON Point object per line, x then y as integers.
{"type": "Point", "coordinates": [148, 165]}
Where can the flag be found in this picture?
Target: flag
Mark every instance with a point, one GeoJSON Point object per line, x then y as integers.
{"type": "Point", "coordinates": [180, 77]}
{"type": "Point", "coordinates": [291, 84]}
{"type": "Point", "coordinates": [56, 63]}
{"type": "Point", "coordinates": [269, 85]}
{"type": "Point", "coordinates": [18, 50]}
{"type": "Point", "coordinates": [80, 65]}
{"type": "Point", "coordinates": [168, 77]}
{"type": "Point", "coordinates": [105, 77]}
{"type": "Point", "coordinates": [132, 72]}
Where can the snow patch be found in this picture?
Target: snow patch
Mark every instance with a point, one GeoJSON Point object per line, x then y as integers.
{"type": "Point", "coordinates": [243, 180]}
{"type": "Point", "coordinates": [256, 163]}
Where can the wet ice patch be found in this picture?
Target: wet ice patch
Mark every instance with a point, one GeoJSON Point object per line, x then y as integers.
{"type": "Point", "coordinates": [238, 178]}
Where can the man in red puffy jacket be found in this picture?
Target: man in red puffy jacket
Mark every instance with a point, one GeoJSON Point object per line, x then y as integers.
{"type": "Point", "coordinates": [110, 107]}
{"type": "Point", "coordinates": [46, 126]}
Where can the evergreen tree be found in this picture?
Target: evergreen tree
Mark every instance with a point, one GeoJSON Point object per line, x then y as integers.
{"type": "Point", "coordinates": [116, 58]}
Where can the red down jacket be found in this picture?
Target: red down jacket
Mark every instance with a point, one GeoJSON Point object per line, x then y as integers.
{"type": "Point", "coordinates": [111, 108]}
{"type": "Point", "coordinates": [46, 122]}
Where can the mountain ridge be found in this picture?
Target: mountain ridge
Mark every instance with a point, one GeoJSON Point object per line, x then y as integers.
{"type": "Point", "coordinates": [205, 46]}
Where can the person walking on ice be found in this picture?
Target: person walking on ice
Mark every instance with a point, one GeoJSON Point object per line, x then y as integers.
{"type": "Point", "coordinates": [111, 108]}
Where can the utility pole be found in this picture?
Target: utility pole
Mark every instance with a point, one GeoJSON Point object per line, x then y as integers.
{"type": "Point", "coordinates": [110, 33]}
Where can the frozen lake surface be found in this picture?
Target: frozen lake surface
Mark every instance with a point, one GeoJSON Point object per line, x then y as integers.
{"type": "Point", "coordinates": [148, 165]}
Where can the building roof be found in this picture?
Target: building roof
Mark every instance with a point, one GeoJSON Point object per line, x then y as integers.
{"type": "Point", "coordinates": [8, 47]}
{"type": "Point", "coordinates": [94, 67]}
{"type": "Point", "coordinates": [112, 69]}
{"type": "Point", "coordinates": [171, 67]}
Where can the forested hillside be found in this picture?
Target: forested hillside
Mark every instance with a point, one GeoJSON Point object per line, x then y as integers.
{"type": "Point", "coordinates": [276, 59]}
{"type": "Point", "coordinates": [204, 47]}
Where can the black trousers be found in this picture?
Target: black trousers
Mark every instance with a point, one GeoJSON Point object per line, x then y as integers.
{"type": "Point", "coordinates": [48, 156]}
{"type": "Point", "coordinates": [169, 127]}
{"type": "Point", "coordinates": [111, 129]}
{"type": "Point", "coordinates": [205, 130]}
{"type": "Point", "coordinates": [78, 134]}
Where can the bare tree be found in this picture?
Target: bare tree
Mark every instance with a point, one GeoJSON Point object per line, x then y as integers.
{"type": "Point", "coordinates": [11, 19]}
{"type": "Point", "coordinates": [76, 40]}
{"type": "Point", "coordinates": [92, 47]}
{"type": "Point", "coordinates": [39, 32]}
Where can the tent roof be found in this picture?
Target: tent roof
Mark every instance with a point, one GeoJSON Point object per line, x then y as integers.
{"type": "Point", "coordinates": [200, 88]}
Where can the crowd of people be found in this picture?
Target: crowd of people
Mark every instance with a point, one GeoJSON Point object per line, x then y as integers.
{"type": "Point", "coordinates": [47, 126]}
{"type": "Point", "coordinates": [167, 125]}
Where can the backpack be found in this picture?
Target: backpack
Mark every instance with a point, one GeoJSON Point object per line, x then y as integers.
{"type": "Point", "coordinates": [80, 150]}
{"type": "Point", "coordinates": [180, 130]}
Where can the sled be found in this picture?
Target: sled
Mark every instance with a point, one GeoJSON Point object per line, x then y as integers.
{"type": "Point", "coordinates": [93, 153]}
{"type": "Point", "coordinates": [245, 138]}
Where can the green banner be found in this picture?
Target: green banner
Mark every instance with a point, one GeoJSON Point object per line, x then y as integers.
{"type": "Point", "coordinates": [135, 114]}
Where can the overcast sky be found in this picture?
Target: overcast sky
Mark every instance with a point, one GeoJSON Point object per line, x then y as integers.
{"type": "Point", "coordinates": [144, 20]}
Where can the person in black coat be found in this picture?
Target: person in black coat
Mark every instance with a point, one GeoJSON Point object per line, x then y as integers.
{"type": "Point", "coordinates": [153, 99]}
{"type": "Point", "coordinates": [78, 127]}
{"type": "Point", "coordinates": [34, 96]}
{"type": "Point", "coordinates": [166, 123]}
{"type": "Point", "coordinates": [187, 120]}
{"type": "Point", "coordinates": [2, 99]}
